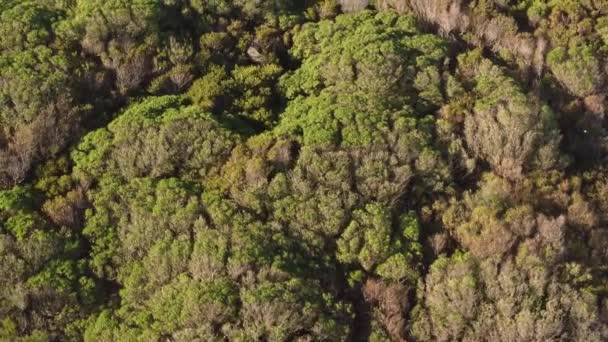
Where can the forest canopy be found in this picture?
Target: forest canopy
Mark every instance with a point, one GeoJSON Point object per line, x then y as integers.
{"type": "Point", "coordinates": [319, 170]}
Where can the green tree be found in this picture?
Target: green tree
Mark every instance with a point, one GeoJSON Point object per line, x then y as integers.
{"type": "Point", "coordinates": [578, 69]}
{"type": "Point", "coordinates": [513, 132]}
{"type": "Point", "coordinates": [39, 110]}
{"type": "Point", "coordinates": [161, 136]}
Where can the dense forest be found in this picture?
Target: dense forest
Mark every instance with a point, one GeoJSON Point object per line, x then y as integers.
{"type": "Point", "coordinates": [303, 170]}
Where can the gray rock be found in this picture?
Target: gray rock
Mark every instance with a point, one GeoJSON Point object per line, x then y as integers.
{"type": "Point", "coordinates": [353, 5]}
{"type": "Point", "coordinates": [256, 55]}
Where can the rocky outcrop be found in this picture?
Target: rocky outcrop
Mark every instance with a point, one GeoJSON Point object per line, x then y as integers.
{"type": "Point", "coordinates": [353, 5]}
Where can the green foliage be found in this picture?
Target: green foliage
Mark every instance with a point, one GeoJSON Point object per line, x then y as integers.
{"type": "Point", "coordinates": [37, 91]}
{"type": "Point", "coordinates": [253, 86]}
{"type": "Point", "coordinates": [15, 199]}
{"type": "Point", "coordinates": [142, 201]}
{"type": "Point", "coordinates": [280, 309]}
{"type": "Point", "coordinates": [163, 244]}
{"type": "Point", "coordinates": [366, 239]}
{"type": "Point", "coordinates": [510, 130]}
{"type": "Point", "coordinates": [123, 34]}
{"type": "Point", "coordinates": [160, 136]}
{"type": "Point", "coordinates": [246, 92]}
{"type": "Point", "coordinates": [365, 51]}
{"type": "Point", "coordinates": [462, 290]}
{"type": "Point", "coordinates": [267, 170]}
{"type": "Point", "coordinates": [370, 241]}
{"type": "Point", "coordinates": [578, 69]}
{"type": "Point", "coordinates": [20, 224]}
{"type": "Point", "coordinates": [354, 80]}
{"type": "Point", "coordinates": [53, 177]}
{"type": "Point", "coordinates": [454, 288]}
{"type": "Point", "coordinates": [188, 302]}
{"type": "Point", "coordinates": [207, 91]}
{"type": "Point", "coordinates": [41, 263]}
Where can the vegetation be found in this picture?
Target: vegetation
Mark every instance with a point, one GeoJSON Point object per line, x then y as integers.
{"type": "Point", "coordinates": [320, 170]}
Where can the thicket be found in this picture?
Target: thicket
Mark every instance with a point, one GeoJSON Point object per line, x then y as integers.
{"type": "Point", "coordinates": [320, 170]}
